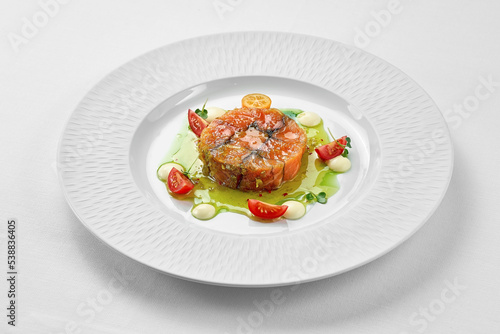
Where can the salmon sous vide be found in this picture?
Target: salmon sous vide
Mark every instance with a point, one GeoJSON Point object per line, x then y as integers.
{"type": "Point", "coordinates": [252, 149]}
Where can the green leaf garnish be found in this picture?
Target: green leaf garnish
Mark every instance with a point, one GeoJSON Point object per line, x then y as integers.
{"type": "Point", "coordinates": [321, 197]}
{"type": "Point", "coordinates": [310, 197]}
{"type": "Point", "coordinates": [345, 152]}
{"type": "Point", "coordinates": [348, 142]}
{"type": "Point", "coordinates": [203, 112]}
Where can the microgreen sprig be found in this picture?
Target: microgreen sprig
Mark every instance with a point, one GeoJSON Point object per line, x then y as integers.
{"type": "Point", "coordinates": [348, 144]}
{"type": "Point", "coordinates": [189, 169]}
{"type": "Point", "coordinates": [203, 112]}
{"type": "Point", "coordinates": [320, 198]}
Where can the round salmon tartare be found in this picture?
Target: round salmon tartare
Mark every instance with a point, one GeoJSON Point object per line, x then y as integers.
{"type": "Point", "coordinates": [252, 149]}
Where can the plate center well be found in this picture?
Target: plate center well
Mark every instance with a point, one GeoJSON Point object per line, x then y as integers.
{"type": "Point", "coordinates": [156, 133]}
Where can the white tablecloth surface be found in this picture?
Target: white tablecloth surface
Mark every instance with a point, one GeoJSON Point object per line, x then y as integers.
{"type": "Point", "coordinates": [445, 279]}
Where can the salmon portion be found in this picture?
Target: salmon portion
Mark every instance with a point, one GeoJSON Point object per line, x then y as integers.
{"type": "Point", "coordinates": [259, 173]}
{"type": "Point", "coordinates": [220, 132]}
{"type": "Point", "coordinates": [252, 149]}
{"type": "Point", "coordinates": [225, 164]}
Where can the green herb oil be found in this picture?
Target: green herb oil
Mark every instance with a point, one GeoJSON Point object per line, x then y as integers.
{"type": "Point", "coordinates": [313, 177]}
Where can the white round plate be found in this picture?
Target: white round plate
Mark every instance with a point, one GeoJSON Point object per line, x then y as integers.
{"type": "Point", "coordinates": [116, 138]}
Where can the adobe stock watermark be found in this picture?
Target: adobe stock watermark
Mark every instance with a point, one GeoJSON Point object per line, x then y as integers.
{"type": "Point", "coordinates": [263, 309]}
{"type": "Point", "coordinates": [326, 249]}
{"type": "Point", "coordinates": [425, 315]}
{"type": "Point", "coordinates": [123, 106]}
{"type": "Point", "coordinates": [225, 6]}
{"type": "Point", "coordinates": [31, 26]}
{"type": "Point", "coordinates": [454, 117]}
{"type": "Point", "coordinates": [410, 163]}
{"type": "Point", "coordinates": [486, 87]}
{"type": "Point", "coordinates": [381, 19]}
{"type": "Point", "coordinates": [87, 310]}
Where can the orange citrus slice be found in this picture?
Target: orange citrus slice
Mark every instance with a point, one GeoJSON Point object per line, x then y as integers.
{"type": "Point", "coordinates": [256, 101]}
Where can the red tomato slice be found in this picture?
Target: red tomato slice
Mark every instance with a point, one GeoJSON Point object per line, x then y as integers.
{"type": "Point", "coordinates": [178, 183]}
{"type": "Point", "coordinates": [266, 211]}
{"type": "Point", "coordinates": [196, 123]}
{"type": "Point", "coordinates": [331, 150]}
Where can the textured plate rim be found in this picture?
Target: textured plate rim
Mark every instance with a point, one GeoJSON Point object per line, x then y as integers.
{"type": "Point", "coordinates": [374, 256]}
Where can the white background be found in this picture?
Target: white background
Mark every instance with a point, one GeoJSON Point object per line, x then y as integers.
{"type": "Point", "coordinates": [71, 283]}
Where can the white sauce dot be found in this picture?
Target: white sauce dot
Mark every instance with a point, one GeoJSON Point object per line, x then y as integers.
{"type": "Point", "coordinates": [203, 211]}
{"type": "Point", "coordinates": [339, 164]}
{"type": "Point", "coordinates": [295, 210]}
{"type": "Point", "coordinates": [166, 168]}
{"type": "Point", "coordinates": [309, 119]}
{"type": "Point", "coordinates": [213, 113]}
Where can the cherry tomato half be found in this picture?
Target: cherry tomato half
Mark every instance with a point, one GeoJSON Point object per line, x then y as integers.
{"type": "Point", "coordinates": [266, 211]}
{"type": "Point", "coordinates": [196, 123]}
{"type": "Point", "coordinates": [331, 150]}
{"type": "Point", "coordinates": [178, 183]}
